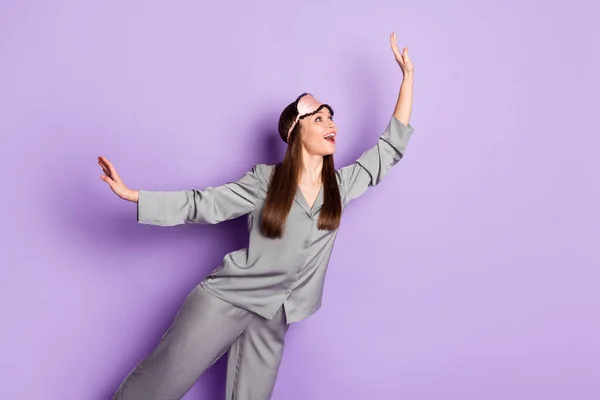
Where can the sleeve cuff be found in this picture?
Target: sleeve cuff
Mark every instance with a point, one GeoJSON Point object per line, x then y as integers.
{"type": "Point", "coordinates": [401, 126]}
{"type": "Point", "coordinates": [150, 207]}
{"type": "Point", "coordinates": [398, 135]}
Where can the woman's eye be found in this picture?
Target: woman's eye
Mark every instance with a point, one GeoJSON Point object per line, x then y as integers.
{"type": "Point", "coordinates": [318, 119]}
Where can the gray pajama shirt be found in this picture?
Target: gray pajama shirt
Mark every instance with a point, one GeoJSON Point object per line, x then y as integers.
{"type": "Point", "coordinates": [271, 272]}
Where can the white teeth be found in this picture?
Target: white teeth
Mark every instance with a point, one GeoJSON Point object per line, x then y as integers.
{"type": "Point", "coordinates": [330, 135]}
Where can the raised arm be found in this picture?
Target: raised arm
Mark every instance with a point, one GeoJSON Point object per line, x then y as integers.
{"type": "Point", "coordinates": [375, 163]}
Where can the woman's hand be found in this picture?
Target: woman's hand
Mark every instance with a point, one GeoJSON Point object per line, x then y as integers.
{"type": "Point", "coordinates": [115, 182]}
{"type": "Point", "coordinates": [401, 57]}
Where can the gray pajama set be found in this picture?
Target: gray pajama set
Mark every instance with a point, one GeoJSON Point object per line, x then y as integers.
{"type": "Point", "coordinates": [244, 306]}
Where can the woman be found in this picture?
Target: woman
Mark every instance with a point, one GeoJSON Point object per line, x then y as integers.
{"type": "Point", "coordinates": [244, 307]}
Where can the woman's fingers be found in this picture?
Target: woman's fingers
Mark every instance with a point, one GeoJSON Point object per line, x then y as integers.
{"type": "Point", "coordinates": [104, 165]}
{"type": "Point", "coordinates": [408, 65]}
{"type": "Point", "coordinates": [116, 187]}
{"type": "Point", "coordinates": [103, 161]}
{"type": "Point", "coordinates": [112, 178]}
{"type": "Point", "coordinates": [111, 168]}
{"type": "Point", "coordinates": [108, 180]}
{"type": "Point", "coordinates": [400, 60]}
{"type": "Point", "coordinates": [396, 50]}
{"type": "Point", "coordinates": [104, 168]}
{"type": "Point", "coordinates": [393, 44]}
{"type": "Point", "coordinates": [108, 167]}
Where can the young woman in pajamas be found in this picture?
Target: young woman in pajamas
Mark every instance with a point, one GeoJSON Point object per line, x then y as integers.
{"type": "Point", "coordinates": [245, 305]}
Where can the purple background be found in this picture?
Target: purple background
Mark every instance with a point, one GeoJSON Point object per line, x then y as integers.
{"type": "Point", "coordinates": [472, 272]}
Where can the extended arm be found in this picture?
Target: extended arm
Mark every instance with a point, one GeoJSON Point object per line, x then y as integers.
{"type": "Point", "coordinates": [208, 206]}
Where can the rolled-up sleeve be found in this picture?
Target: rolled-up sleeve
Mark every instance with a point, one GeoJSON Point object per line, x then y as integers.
{"type": "Point", "coordinates": [208, 206]}
{"type": "Point", "coordinates": [375, 163]}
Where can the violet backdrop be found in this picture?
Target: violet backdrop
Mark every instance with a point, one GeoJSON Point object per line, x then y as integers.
{"type": "Point", "coordinates": [493, 213]}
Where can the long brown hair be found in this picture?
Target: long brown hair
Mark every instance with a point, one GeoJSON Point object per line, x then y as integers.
{"type": "Point", "coordinates": [285, 178]}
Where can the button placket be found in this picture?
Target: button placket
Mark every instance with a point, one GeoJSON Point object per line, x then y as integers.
{"type": "Point", "coordinates": [307, 244]}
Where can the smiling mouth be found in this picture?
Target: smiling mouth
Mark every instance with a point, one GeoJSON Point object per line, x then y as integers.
{"type": "Point", "coordinates": [330, 137]}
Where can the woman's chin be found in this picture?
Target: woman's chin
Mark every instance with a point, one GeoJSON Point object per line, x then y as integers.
{"type": "Point", "coordinates": [329, 149]}
{"type": "Point", "coordinates": [323, 151]}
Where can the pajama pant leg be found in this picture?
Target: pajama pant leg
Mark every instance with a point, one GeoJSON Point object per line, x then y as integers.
{"type": "Point", "coordinates": [254, 359]}
{"type": "Point", "coordinates": [203, 330]}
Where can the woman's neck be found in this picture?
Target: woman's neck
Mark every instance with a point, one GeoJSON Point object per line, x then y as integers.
{"type": "Point", "coordinates": [311, 169]}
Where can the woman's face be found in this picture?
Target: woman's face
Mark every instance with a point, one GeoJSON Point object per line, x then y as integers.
{"type": "Point", "coordinates": [318, 133]}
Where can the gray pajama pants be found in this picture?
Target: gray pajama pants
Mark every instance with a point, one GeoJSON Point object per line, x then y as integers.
{"type": "Point", "coordinates": [203, 330]}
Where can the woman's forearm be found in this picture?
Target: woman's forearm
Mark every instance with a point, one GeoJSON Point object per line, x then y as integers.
{"type": "Point", "coordinates": [405, 97]}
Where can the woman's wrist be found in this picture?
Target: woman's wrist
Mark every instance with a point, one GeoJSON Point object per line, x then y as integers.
{"type": "Point", "coordinates": [408, 77]}
{"type": "Point", "coordinates": [133, 196]}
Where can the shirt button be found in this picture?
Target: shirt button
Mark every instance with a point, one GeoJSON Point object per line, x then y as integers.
{"type": "Point", "coordinates": [306, 245]}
